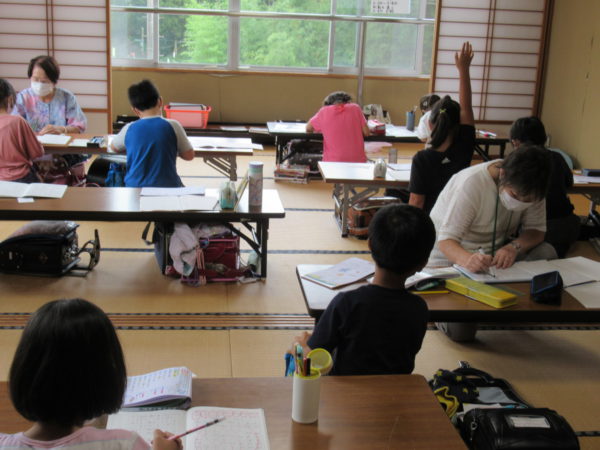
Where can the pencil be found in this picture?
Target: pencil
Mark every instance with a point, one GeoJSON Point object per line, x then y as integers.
{"type": "Point", "coordinates": [207, 424]}
{"type": "Point", "coordinates": [430, 292]}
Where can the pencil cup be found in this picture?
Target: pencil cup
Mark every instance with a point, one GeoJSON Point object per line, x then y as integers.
{"type": "Point", "coordinates": [306, 392]}
{"type": "Point", "coordinates": [410, 120]}
{"type": "Point", "coordinates": [255, 183]}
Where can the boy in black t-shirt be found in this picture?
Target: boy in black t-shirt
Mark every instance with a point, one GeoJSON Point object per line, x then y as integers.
{"type": "Point", "coordinates": [379, 328]}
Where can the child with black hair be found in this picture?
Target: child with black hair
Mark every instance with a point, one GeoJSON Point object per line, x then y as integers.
{"type": "Point", "coordinates": [562, 226]}
{"type": "Point", "coordinates": [152, 143]}
{"type": "Point", "coordinates": [68, 369]}
{"type": "Point", "coordinates": [343, 126]}
{"type": "Point", "coordinates": [425, 105]}
{"type": "Point", "coordinates": [450, 147]}
{"type": "Point", "coordinates": [379, 328]}
{"type": "Point", "coordinates": [18, 143]}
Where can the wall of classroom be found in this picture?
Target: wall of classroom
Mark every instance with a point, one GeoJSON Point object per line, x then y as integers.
{"type": "Point", "coordinates": [571, 101]}
{"type": "Point", "coordinates": [258, 98]}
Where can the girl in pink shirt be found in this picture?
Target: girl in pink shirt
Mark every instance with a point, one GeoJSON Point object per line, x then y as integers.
{"type": "Point", "coordinates": [18, 144]}
{"type": "Point", "coordinates": [68, 369]}
{"type": "Point", "coordinates": [343, 126]}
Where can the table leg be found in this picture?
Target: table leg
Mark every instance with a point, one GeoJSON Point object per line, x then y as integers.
{"type": "Point", "coordinates": [344, 209]}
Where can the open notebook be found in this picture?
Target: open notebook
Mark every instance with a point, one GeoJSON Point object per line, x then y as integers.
{"type": "Point", "coordinates": [581, 276]}
{"type": "Point", "coordinates": [242, 429]}
{"type": "Point", "coordinates": [170, 387]}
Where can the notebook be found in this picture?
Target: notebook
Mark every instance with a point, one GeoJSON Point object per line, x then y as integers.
{"type": "Point", "coordinates": [574, 271]}
{"type": "Point", "coordinates": [242, 429]}
{"type": "Point", "coordinates": [347, 272]}
{"type": "Point", "coordinates": [420, 279]}
{"type": "Point", "coordinates": [170, 387]}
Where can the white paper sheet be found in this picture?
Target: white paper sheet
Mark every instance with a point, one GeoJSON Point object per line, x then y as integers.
{"type": "Point", "coordinates": [397, 131]}
{"type": "Point", "coordinates": [54, 139]}
{"type": "Point", "coordinates": [181, 203]}
{"type": "Point", "coordinates": [172, 192]}
{"type": "Point", "coordinates": [204, 142]}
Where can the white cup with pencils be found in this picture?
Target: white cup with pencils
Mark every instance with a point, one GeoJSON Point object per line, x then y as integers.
{"type": "Point", "coordinates": [306, 392]}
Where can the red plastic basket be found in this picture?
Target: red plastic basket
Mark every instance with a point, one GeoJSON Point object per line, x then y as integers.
{"type": "Point", "coordinates": [189, 117]}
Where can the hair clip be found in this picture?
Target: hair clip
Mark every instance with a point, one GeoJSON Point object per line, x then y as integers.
{"type": "Point", "coordinates": [442, 110]}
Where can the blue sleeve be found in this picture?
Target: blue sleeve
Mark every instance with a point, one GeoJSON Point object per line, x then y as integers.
{"type": "Point", "coordinates": [74, 114]}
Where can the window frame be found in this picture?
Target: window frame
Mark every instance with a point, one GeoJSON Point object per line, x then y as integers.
{"type": "Point", "coordinates": [234, 14]}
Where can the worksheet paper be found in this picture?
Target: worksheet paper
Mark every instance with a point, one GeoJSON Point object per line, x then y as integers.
{"type": "Point", "coordinates": [48, 190]}
{"type": "Point", "coordinates": [242, 429]}
{"type": "Point", "coordinates": [289, 127]}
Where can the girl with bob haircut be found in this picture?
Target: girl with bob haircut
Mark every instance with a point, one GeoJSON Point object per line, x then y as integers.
{"type": "Point", "coordinates": [68, 369]}
{"type": "Point", "coordinates": [343, 126]}
{"type": "Point", "coordinates": [450, 146]}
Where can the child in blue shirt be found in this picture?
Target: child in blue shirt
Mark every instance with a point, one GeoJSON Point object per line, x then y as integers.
{"type": "Point", "coordinates": [152, 143]}
{"type": "Point", "coordinates": [379, 328]}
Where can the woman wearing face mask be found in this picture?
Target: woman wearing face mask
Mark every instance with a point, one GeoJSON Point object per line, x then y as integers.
{"type": "Point", "coordinates": [493, 214]}
{"type": "Point", "coordinates": [48, 108]}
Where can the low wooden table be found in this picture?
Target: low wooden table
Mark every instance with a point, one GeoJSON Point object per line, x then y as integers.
{"type": "Point", "coordinates": [220, 153]}
{"type": "Point", "coordinates": [453, 307]}
{"type": "Point", "coordinates": [123, 205]}
{"type": "Point", "coordinates": [283, 132]}
{"type": "Point", "coordinates": [353, 182]}
{"type": "Point", "coordinates": [366, 412]}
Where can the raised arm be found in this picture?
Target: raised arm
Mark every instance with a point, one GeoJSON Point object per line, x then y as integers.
{"type": "Point", "coordinates": [463, 59]}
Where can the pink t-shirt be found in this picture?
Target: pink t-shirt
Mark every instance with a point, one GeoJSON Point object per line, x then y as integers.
{"type": "Point", "coordinates": [86, 438]}
{"type": "Point", "coordinates": [341, 125]}
{"type": "Point", "coordinates": [18, 147]}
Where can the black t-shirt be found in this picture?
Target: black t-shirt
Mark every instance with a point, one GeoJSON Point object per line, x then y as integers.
{"type": "Point", "coordinates": [431, 170]}
{"type": "Point", "coordinates": [373, 330]}
{"type": "Point", "coordinates": [558, 204]}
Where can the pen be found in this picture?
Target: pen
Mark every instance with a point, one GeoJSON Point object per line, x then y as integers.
{"type": "Point", "coordinates": [490, 271]}
{"type": "Point", "coordinates": [208, 424]}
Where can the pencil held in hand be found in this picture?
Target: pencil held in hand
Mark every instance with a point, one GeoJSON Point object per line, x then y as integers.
{"type": "Point", "coordinates": [207, 424]}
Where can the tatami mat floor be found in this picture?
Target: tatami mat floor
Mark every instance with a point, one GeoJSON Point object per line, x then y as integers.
{"type": "Point", "coordinates": [554, 368]}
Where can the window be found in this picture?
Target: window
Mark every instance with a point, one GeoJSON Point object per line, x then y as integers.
{"type": "Point", "coordinates": [314, 36]}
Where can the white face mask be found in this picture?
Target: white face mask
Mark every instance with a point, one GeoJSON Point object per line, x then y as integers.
{"type": "Point", "coordinates": [511, 203]}
{"type": "Point", "coordinates": [42, 89]}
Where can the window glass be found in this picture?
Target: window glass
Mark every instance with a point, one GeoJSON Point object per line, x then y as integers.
{"type": "Point", "coordinates": [131, 2]}
{"type": "Point", "coordinates": [284, 42]}
{"type": "Point", "coordinates": [391, 46]}
{"type": "Point", "coordinates": [129, 35]}
{"type": "Point", "coordinates": [194, 39]}
{"type": "Point", "coordinates": [346, 42]}
{"type": "Point", "coordinates": [222, 5]}
{"type": "Point", "coordinates": [287, 6]}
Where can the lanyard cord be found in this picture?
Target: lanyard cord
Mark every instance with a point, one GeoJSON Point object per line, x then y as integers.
{"type": "Point", "coordinates": [495, 223]}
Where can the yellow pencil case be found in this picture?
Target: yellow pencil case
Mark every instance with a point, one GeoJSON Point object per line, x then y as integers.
{"type": "Point", "coordinates": [484, 293]}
